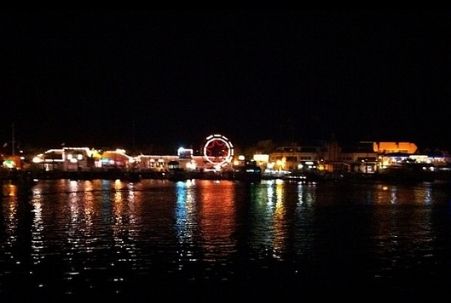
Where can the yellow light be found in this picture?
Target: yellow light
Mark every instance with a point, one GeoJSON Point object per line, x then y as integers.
{"type": "Point", "coordinates": [94, 153]}
{"type": "Point", "coordinates": [280, 164]}
{"type": "Point", "coordinates": [261, 157]}
{"type": "Point", "coordinates": [38, 158]}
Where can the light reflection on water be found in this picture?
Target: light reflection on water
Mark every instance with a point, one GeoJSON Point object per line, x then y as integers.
{"type": "Point", "coordinates": [79, 236]}
{"type": "Point", "coordinates": [185, 225]}
{"type": "Point", "coordinates": [217, 219]}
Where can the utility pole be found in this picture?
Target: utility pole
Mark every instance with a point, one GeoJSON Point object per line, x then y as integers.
{"type": "Point", "coordinates": [13, 140]}
{"type": "Point", "coordinates": [133, 135]}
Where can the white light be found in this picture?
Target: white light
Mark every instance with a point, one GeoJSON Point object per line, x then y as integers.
{"type": "Point", "coordinates": [241, 158]}
{"type": "Point", "coordinates": [182, 151]}
{"type": "Point", "coordinates": [191, 165]}
{"type": "Point", "coordinates": [79, 157]}
{"type": "Point", "coordinates": [38, 159]}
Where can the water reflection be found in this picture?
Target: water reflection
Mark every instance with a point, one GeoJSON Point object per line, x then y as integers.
{"type": "Point", "coordinates": [269, 227]}
{"type": "Point", "coordinates": [37, 231]}
{"type": "Point", "coordinates": [261, 217]}
{"type": "Point", "coordinates": [74, 236]}
{"type": "Point", "coordinates": [9, 190]}
{"type": "Point", "coordinates": [306, 193]}
{"type": "Point", "coordinates": [217, 219]}
{"type": "Point", "coordinates": [9, 216]}
{"type": "Point", "coordinates": [280, 226]}
{"type": "Point", "coordinates": [186, 218]}
{"type": "Point", "coordinates": [123, 249]}
{"type": "Point", "coordinates": [419, 194]}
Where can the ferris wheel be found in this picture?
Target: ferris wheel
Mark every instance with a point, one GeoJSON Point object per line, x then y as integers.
{"type": "Point", "coordinates": [218, 150]}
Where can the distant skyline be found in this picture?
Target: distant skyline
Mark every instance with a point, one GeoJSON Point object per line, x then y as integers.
{"type": "Point", "coordinates": [171, 78]}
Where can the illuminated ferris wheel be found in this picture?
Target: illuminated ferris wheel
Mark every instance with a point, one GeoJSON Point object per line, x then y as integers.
{"type": "Point", "coordinates": [218, 150]}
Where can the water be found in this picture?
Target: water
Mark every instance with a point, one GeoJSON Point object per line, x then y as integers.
{"type": "Point", "coordinates": [204, 238]}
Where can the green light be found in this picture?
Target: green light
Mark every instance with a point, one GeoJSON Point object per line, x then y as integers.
{"type": "Point", "coordinates": [9, 164]}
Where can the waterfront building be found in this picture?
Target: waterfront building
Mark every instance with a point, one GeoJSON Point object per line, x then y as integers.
{"type": "Point", "coordinates": [66, 159]}
{"type": "Point", "coordinates": [115, 159]}
{"type": "Point", "coordinates": [359, 158]}
{"type": "Point", "coordinates": [294, 157]}
{"type": "Point", "coordinates": [77, 159]}
{"type": "Point", "coordinates": [51, 159]}
{"type": "Point", "coordinates": [157, 163]}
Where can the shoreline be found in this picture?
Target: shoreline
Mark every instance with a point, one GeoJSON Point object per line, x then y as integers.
{"type": "Point", "coordinates": [135, 176]}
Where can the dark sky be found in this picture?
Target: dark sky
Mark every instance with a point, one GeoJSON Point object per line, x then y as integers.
{"type": "Point", "coordinates": [175, 77]}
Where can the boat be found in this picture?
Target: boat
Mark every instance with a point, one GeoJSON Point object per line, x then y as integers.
{"type": "Point", "coordinates": [250, 172]}
{"type": "Point", "coordinates": [408, 172]}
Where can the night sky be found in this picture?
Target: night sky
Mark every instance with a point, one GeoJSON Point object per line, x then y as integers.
{"type": "Point", "coordinates": [169, 78]}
